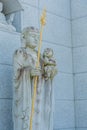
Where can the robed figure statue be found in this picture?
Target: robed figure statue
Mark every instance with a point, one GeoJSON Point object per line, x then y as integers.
{"type": "Point", "coordinates": [25, 70]}
{"type": "Point", "coordinates": [4, 23]}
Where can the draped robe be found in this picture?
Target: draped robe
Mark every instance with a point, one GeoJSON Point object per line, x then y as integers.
{"type": "Point", "coordinates": [23, 91]}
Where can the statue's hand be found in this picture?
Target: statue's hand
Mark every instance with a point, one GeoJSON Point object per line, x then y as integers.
{"type": "Point", "coordinates": [36, 72]}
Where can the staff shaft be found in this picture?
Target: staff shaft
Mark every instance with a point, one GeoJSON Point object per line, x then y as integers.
{"type": "Point", "coordinates": [36, 78]}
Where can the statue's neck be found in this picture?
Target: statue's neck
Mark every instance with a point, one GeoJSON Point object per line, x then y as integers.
{"type": "Point", "coordinates": [31, 50]}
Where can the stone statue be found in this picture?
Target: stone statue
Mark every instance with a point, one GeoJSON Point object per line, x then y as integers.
{"type": "Point", "coordinates": [3, 23]}
{"type": "Point", "coordinates": [10, 21]}
{"type": "Point", "coordinates": [2, 16]}
{"type": "Point", "coordinates": [25, 59]}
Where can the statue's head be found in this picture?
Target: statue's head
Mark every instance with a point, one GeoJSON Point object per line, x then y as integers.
{"type": "Point", "coordinates": [1, 6]}
{"type": "Point", "coordinates": [48, 52]}
{"type": "Point", "coordinates": [30, 37]}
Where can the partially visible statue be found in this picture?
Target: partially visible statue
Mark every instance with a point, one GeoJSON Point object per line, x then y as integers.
{"type": "Point", "coordinates": [2, 16]}
{"type": "Point", "coordinates": [10, 21]}
{"type": "Point", "coordinates": [3, 23]}
{"type": "Point", "coordinates": [25, 70]}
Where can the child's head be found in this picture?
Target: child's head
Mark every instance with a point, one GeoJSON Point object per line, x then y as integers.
{"type": "Point", "coordinates": [48, 52]}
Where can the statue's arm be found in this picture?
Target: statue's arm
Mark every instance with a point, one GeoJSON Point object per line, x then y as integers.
{"type": "Point", "coordinates": [23, 62]}
{"type": "Point", "coordinates": [49, 61]}
{"type": "Point", "coordinates": [17, 68]}
{"type": "Point", "coordinates": [19, 63]}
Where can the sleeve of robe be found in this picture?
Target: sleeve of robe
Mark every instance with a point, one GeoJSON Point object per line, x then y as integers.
{"type": "Point", "coordinates": [22, 88]}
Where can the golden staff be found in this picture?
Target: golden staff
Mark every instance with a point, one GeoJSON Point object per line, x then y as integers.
{"type": "Point", "coordinates": [43, 22]}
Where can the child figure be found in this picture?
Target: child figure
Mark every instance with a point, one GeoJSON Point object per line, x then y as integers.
{"type": "Point", "coordinates": [49, 64]}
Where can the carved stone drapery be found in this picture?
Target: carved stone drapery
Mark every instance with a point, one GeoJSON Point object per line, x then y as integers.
{"type": "Point", "coordinates": [11, 6]}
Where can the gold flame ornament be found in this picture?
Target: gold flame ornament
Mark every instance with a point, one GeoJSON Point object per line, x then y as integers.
{"type": "Point", "coordinates": [43, 22]}
{"type": "Point", "coordinates": [43, 18]}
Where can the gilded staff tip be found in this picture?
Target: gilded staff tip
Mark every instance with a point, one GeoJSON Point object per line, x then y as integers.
{"type": "Point", "coordinates": [43, 17]}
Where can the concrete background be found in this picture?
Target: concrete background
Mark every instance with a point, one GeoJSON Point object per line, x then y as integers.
{"type": "Point", "coordinates": [79, 41]}
{"type": "Point", "coordinates": [8, 43]}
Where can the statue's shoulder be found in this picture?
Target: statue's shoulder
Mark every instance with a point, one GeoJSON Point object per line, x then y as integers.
{"type": "Point", "coordinates": [19, 51]}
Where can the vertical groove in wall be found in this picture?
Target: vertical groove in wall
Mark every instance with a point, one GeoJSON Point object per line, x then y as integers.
{"type": "Point", "coordinates": [38, 10]}
{"type": "Point", "coordinates": [72, 63]}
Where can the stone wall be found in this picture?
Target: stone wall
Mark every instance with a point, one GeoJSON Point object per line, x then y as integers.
{"type": "Point", "coordinates": [57, 34]}
{"type": "Point", "coordinates": [79, 37]}
{"type": "Point", "coordinates": [9, 41]}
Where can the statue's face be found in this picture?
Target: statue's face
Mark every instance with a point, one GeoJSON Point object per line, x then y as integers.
{"type": "Point", "coordinates": [1, 6]}
{"type": "Point", "coordinates": [48, 52]}
{"type": "Point", "coordinates": [32, 39]}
